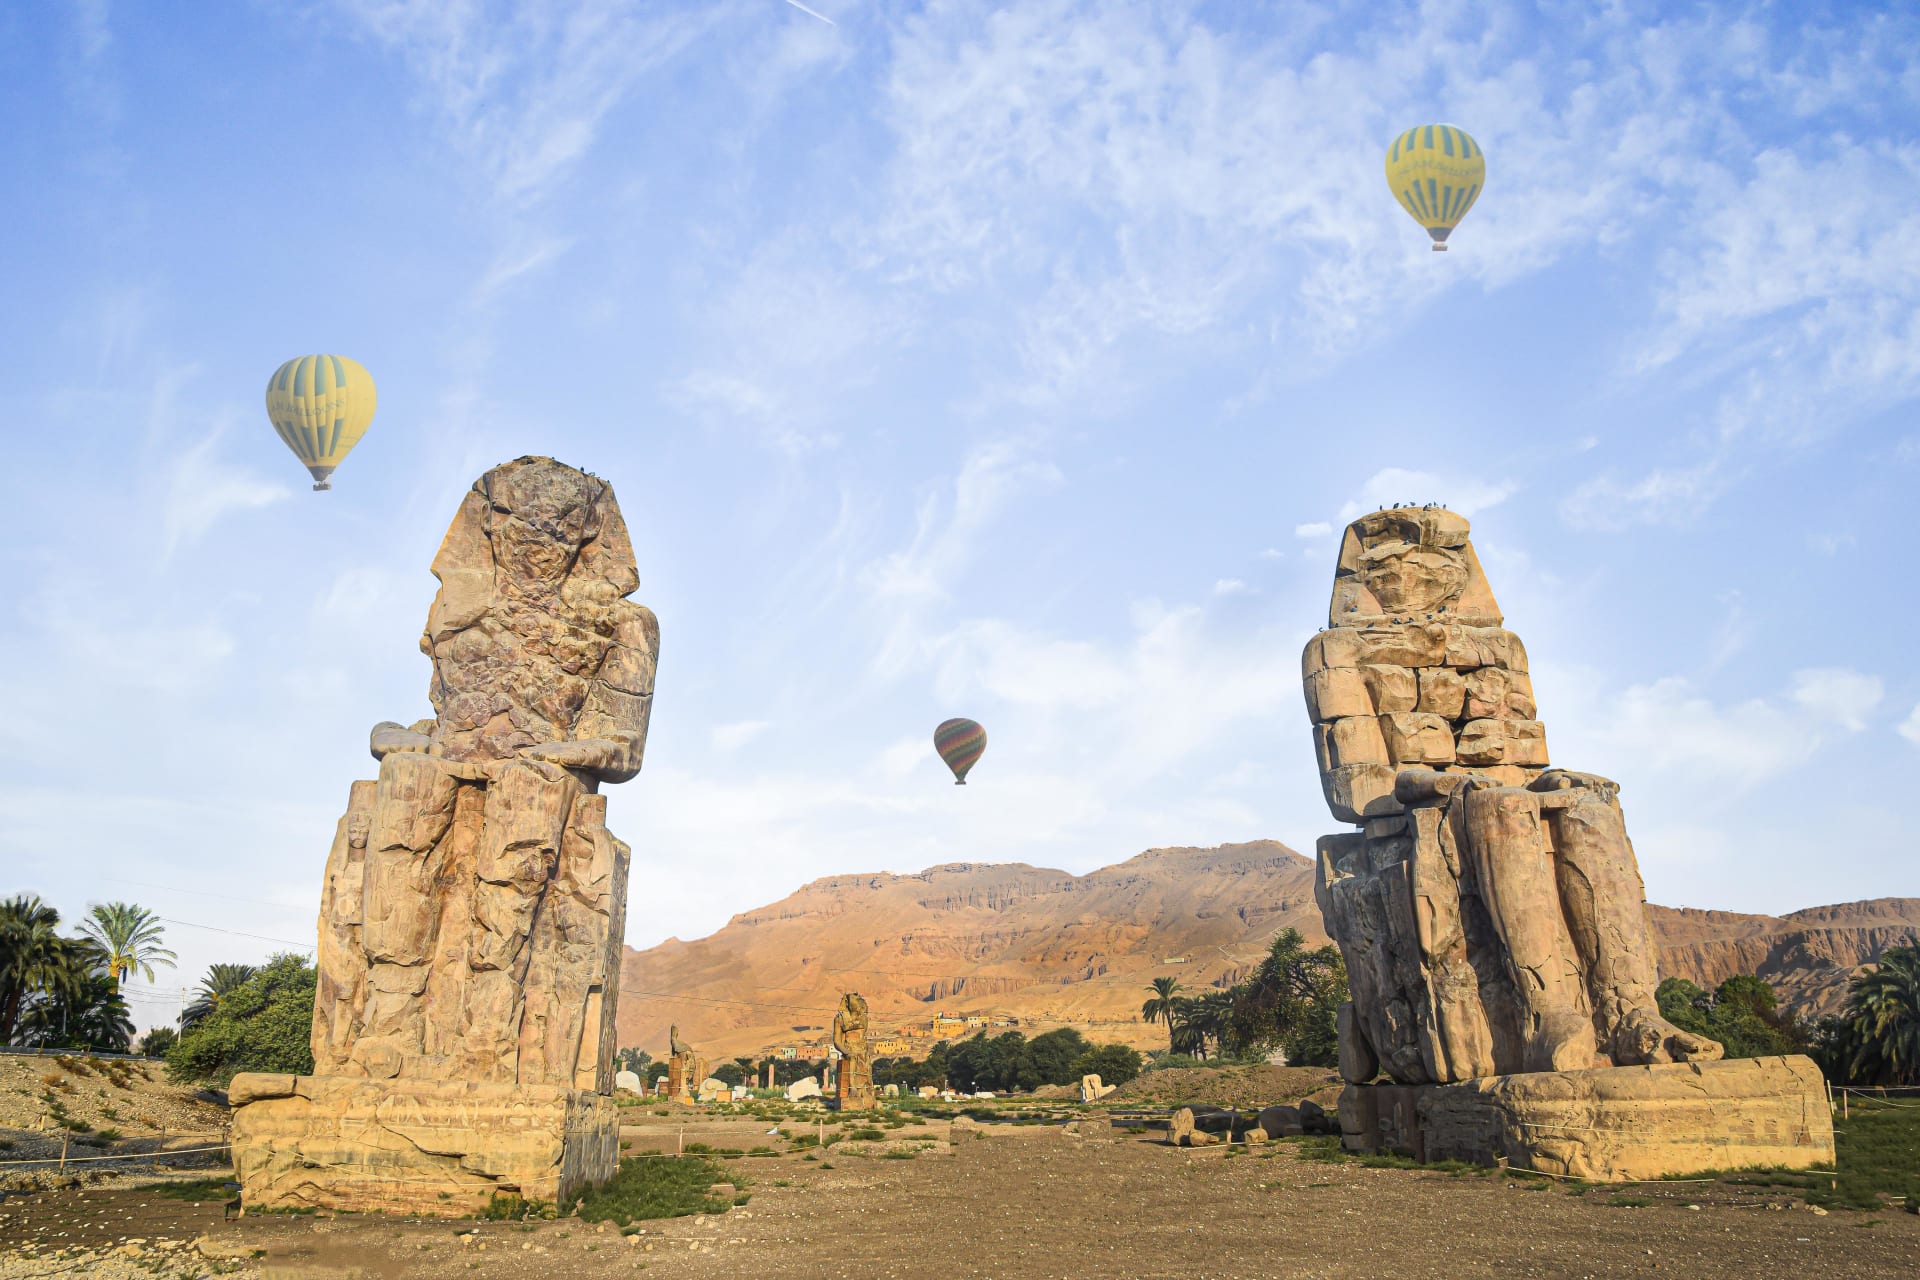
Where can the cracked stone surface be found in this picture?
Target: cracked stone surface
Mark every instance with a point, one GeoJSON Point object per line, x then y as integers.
{"type": "Point", "coordinates": [1489, 907]}
{"type": "Point", "coordinates": [472, 912]}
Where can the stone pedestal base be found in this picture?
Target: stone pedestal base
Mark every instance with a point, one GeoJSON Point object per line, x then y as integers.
{"type": "Point", "coordinates": [442, 1148]}
{"type": "Point", "coordinates": [1608, 1125]}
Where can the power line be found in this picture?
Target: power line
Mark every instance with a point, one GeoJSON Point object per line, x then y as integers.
{"type": "Point", "coordinates": [236, 933]}
{"type": "Point", "coordinates": [202, 893]}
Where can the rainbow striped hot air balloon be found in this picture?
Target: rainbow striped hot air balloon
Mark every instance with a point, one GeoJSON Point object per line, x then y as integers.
{"type": "Point", "coordinates": [321, 406]}
{"type": "Point", "coordinates": [1436, 172]}
{"type": "Point", "coordinates": [961, 744]}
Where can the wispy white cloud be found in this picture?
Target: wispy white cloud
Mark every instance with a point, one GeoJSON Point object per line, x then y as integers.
{"type": "Point", "coordinates": [785, 342]}
{"type": "Point", "coordinates": [523, 91]}
{"type": "Point", "coordinates": [1839, 695]}
{"type": "Point", "coordinates": [1231, 587]}
{"type": "Point", "coordinates": [510, 267]}
{"type": "Point", "coordinates": [202, 487]}
{"type": "Point", "coordinates": [1910, 727]}
{"type": "Point", "coordinates": [1313, 529]}
{"type": "Point", "coordinates": [1662, 496]}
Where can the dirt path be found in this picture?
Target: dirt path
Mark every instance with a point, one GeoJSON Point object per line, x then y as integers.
{"type": "Point", "coordinates": [1023, 1204]}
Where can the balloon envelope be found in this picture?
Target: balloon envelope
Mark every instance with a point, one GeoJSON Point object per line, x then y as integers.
{"type": "Point", "coordinates": [961, 744]}
{"type": "Point", "coordinates": [1436, 172]}
{"type": "Point", "coordinates": [321, 406]}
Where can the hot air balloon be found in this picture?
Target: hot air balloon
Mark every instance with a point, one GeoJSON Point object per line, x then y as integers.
{"type": "Point", "coordinates": [1436, 172]}
{"type": "Point", "coordinates": [321, 406]}
{"type": "Point", "coordinates": [961, 744]}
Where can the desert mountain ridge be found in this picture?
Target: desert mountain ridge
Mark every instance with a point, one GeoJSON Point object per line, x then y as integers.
{"type": "Point", "coordinates": [1050, 948]}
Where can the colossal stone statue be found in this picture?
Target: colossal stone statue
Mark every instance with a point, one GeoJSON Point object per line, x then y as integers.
{"type": "Point", "coordinates": [853, 1074]}
{"type": "Point", "coordinates": [1489, 908]}
{"type": "Point", "coordinates": [474, 902]}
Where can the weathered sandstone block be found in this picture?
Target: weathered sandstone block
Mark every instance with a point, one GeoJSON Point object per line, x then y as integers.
{"type": "Point", "coordinates": [1609, 1124]}
{"type": "Point", "coordinates": [441, 1148]}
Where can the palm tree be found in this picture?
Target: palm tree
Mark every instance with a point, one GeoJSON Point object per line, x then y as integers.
{"type": "Point", "coordinates": [130, 935]}
{"type": "Point", "coordinates": [1161, 1006]}
{"type": "Point", "coordinates": [220, 979]}
{"type": "Point", "coordinates": [1883, 1014]}
{"type": "Point", "coordinates": [1209, 1016]}
{"type": "Point", "coordinates": [1186, 1036]}
{"type": "Point", "coordinates": [89, 1014]}
{"type": "Point", "coordinates": [34, 960]}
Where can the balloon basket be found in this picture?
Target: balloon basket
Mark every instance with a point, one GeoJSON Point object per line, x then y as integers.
{"type": "Point", "coordinates": [959, 782]}
{"type": "Point", "coordinates": [322, 485]}
{"type": "Point", "coordinates": [1439, 248]}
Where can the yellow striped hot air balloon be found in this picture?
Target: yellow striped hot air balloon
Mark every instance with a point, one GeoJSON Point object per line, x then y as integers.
{"type": "Point", "coordinates": [1436, 172]}
{"type": "Point", "coordinates": [321, 406]}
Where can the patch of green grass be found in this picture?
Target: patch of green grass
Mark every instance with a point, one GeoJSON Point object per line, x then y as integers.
{"type": "Point", "coordinates": [1879, 1160]}
{"type": "Point", "coordinates": [702, 1149]}
{"type": "Point", "coordinates": [1629, 1202]}
{"type": "Point", "coordinates": [504, 1208]}
{"type": "Point", "coordinates": [896, 1155]}
{"type": "Point", "coordinates": [652, 1188]}
{"type": "Point", "coordinates": [1319, 1150]}
{"type": "Point", "coordinates": [867, 1135]}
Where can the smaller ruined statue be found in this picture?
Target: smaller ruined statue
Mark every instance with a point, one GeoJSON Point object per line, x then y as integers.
{"type": "Point", "coordinates": [685, 1070]}
{"type": "Point", "coordinates": [853, 1076]}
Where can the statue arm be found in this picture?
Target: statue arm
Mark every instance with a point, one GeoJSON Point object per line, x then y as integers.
{"type": "Point", "coordinates": [612, 728]}
{"type": "Point", "coordinates": [389, 738]}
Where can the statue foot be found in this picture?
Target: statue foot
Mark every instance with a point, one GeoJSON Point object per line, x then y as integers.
{"type": "Point", "coordinates": [1563, 1041]}
{"type": "Point", "coordinates": [1646, 1037]}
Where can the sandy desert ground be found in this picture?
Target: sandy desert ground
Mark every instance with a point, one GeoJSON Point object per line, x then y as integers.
{"type": "Point", "coordinates": [1014, 1203]}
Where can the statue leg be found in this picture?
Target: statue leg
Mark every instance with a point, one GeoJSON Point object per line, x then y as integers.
{"type": "Point", "coordinates": [527, 808]}
{"type": "Point", "coordinates": [1604, 902]}
{"type": "Point", "coordinates": [341, 961]}
{"type": "Point", "coordinates": [1513, 865]}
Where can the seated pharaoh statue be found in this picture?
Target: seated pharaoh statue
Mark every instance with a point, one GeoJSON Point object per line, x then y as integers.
{"type": "Point", "coordinates": [474, 902]}
{"type": "Point", "coordinates": [473, 907]}
{"type": "Point", "coordinates": [1490, 909]}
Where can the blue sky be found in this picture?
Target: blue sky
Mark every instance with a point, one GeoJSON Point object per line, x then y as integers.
{"type": "Point", "coordinates": [1017, 362]}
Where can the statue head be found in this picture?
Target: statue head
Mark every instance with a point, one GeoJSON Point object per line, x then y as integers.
{"type": "Point", "coordinates": [533, 530]}
{"type": "Point", "coordinates": [543, 512]}
{"type": "Point", "coordinates": [1410, 562]}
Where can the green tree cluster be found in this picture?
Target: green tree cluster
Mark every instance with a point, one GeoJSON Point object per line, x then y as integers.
{"type": "Point", "coordinates": [1742, 1013]}
{"type": "Point", "coordinates": [1291, 1002]}
{"type": "Point", "coordinates": [64, 992]}
{"type": "Point", "coordinates": [1010, 1062]}
{"type": "Point", "coordinates": [263, 1024]}
{"type": "Point", "coordinates": [1876, 1039]}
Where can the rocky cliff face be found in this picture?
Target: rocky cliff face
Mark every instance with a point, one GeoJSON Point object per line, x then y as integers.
{"type": "Point", "coordinates": [1809, 956]}
{"type": "Point", "coordinates": [1039, 944]}
{"type": "Point", "coordinates": [1052, 948]}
